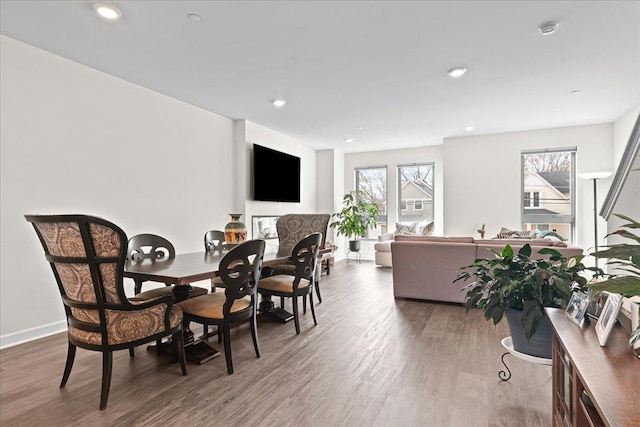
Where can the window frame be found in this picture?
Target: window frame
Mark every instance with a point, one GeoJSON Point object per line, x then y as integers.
{"type": "Point", "coordinates": [529, 218]}
{"type": "Point", "coordinates": [400, 216]}
{"type": "Point", "coordinates": [381, 219]}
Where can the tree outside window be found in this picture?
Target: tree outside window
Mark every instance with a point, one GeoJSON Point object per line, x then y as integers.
{"type": "Point", "coordinates": [372, 181]}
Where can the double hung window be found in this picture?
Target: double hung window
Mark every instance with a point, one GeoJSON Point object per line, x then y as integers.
{"type": "Point", "coordinates": [372, 181]}
{"type": "Point", "coordinates": [415, 192]}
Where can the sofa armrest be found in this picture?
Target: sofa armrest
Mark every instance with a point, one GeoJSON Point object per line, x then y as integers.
{"type": "Point", "coordinates": [385, 236]}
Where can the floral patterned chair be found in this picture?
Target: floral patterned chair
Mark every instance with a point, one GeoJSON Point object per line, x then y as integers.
{"type": "Point", "coordinates": [292, 228]}
{"type": "Point", "coordinates": [87, 256]}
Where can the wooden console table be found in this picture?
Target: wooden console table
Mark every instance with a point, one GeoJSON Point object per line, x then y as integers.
{"type": "Point", "coordinates": [609, 376]}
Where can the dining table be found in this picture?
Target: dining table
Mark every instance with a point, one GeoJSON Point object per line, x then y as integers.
{"type": "Point", "coordinates": [187, 268]}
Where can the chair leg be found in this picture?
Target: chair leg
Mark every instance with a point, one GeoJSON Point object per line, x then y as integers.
{"type": "Point", "coordinates": [317, 285]}
{"type": "Point", "coordinates": [137, 288]}
{"type": "Point", "coordinates": [282, 303]}
{"type": "Point", "coordinates": [159, 347]}
{"type": "Point", "coordinates": [71, 355]}
{"type": "Point", "coordinates": [205, 330]}
{"type": "Point", "coordinates": [254, 334]}
{"type": "Point", "coordinates": [296, 320]}
{"type": "Point", "coordinates": [328, 267]}
{"type": "Point", "coordinates": [304, 304]}
{"type": "Point", "coordinates": [226, 334]}
{"type": "Point", "coordinates": [131, 352]}
{"type": "Point", "coordinates": [219, 334]}
{"type": "Point", "coordinates": [107, 364]}
{"type": "Point", "coordinates": [313, 311]}
{"type": "Point", "coordinates": [178, 350]}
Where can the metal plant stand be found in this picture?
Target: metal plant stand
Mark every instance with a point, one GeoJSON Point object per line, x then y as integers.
{"type": "Point", "coordinates": [357, 256]}
{"type": "Point", "coordinates": [508, 345]}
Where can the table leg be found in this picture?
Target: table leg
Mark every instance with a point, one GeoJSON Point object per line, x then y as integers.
{"type": "Point", "coordinates": [271, 312]}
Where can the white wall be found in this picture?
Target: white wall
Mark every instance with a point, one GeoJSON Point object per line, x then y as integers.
{"type": "Point", "coordinates": [482, 177]}
{"type": "Point", "coordinates": [76, 140]}
{"type": "Point", "coordinates": [628, 202]}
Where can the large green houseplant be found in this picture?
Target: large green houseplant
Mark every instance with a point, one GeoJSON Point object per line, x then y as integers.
{"type": "Point", "coordinates": [358, 214]}
{"type": "Point", "coordinates": [625, 257]}
{"type": "Point", "coordinates": [518, 286]}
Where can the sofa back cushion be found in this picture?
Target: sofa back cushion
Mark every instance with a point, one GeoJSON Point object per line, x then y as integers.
{"type": "Point", "coordinates": [521, 242]}
{"type": "Point", "coordinates": [400, 238]}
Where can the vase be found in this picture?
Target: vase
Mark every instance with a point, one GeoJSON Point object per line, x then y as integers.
{"type": "Point", "coordinates": [540, 343]}
{"type": "Point", "coordinates": [235, 232]}
{"type": "Point", "coordinates": [354, 245]}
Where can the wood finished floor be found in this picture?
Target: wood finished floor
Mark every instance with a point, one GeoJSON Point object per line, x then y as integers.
{"type": "Point", "coordinates": [371, 361]}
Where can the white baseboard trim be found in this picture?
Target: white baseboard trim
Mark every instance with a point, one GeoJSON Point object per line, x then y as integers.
{"type": "Point", "coordinates": [20, 337]}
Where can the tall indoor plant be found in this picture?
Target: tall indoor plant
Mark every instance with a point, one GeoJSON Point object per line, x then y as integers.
{"type": "Point", "coordinates": [358, 214]}
{"type": "Point", "coordinates": [625, 257]}
{"type": "Point", "coordinates": [519, 287]}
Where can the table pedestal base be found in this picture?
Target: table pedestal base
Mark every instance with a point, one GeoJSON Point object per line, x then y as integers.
{"type": "Point", "coordinates": [271, 312]}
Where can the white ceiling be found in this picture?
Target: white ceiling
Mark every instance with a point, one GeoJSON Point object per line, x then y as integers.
{"type": "Point", "coordinates": [376, 64]}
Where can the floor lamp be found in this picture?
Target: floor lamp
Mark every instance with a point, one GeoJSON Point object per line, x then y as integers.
{"type": "Point", "coordinates": [594, 176]}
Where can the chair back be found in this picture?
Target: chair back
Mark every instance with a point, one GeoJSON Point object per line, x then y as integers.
{"type": "Point", "coordinates": [240, 271]}
{"type": "Point", "coordinates": [214, 240]}
{"type": "Point", "coordinates": [304, 257]}
{"type": "Point", "coordinates": [87, 256]}
{"type": "Point", "coordinates": [149, 246]}
{"type": "Point", "coordinates": [292, 228]}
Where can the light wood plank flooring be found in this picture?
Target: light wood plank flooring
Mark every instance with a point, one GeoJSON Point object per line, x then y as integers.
{"type": "Point", "coordinates": [371, 361]}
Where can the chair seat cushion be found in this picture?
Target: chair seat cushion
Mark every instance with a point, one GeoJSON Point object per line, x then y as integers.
{"type": "Point", "coordinates": [158, 292]}
{"type": "Point", "coordinates": [209, 306]}
{"type": "Point", "coordinates": [281, 283]}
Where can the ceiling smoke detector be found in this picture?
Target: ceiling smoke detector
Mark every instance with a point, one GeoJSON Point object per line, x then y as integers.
{"type": "Point", "coordinates": [548, 28]}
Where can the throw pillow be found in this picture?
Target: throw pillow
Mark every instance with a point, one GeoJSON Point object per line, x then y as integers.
{"type": "Point", "coordinates": [427, 230]}
{"type": "Point", "coordinates": [406, 228]}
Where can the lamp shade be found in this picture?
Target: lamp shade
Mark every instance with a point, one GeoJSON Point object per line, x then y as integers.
{"type": "Point", "coordinates": [595, 175]}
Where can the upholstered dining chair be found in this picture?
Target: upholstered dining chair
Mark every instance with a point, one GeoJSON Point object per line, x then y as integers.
{"type": "Point", "coordinates": [304, 257]}
{"type": "Point", "coordinates": [157, 249]}
{"type": "Point", "coordinates": [240, 271]}
{"type": "Point", "coordinates": [87, 255]}
{"type": "Point", "coordinates": [291, 229]}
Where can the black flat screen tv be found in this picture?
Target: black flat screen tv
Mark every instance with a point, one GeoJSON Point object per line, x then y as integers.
{"type": "Point", "coordinates": [276, 175]}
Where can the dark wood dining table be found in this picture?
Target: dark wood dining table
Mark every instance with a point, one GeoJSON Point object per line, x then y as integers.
{"type": "Point", "coordinates": [184, 269]}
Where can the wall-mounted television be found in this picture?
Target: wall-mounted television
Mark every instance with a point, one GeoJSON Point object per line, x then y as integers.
{"type": "Point", "coordinates": [276, 175]}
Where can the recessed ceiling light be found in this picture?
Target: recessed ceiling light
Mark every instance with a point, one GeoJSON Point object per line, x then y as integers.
{"type": "Point", "coordinates": [194, 17]}
{"type": "Point", "coordinates": [347, 140]}
{"type": "Point", "coordinates": [107, 11]}
{"type": "Point", "coordinates": [360, 128]}
{"type": "Point", "coordinates": [468, 128]}
{"type": "Point", "coordinates": [279, 103]}
{"type": "Point", "coordinates": [457, 72]}
{"type": "Point", "coordinates": [547, 28]}
{"type": "Point", "coordinates": [575, 92]}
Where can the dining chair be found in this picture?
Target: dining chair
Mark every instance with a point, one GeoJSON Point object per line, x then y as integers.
{"type": "Point", "coordinates": [87, 255]}
{"type": "Point", "coordinates": [291, 229]}
{"type": "Point", "coordinates": [240, 271]}
{"type": "Point", "coordinates": [156, 248]}
{"type": "Point", "coordinates": [214, 242]}
{"type": "Point", "coordinates": [304, 257]}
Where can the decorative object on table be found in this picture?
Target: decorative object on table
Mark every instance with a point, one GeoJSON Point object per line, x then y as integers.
{"type": "Point", "coordinates": [626, 257]}
{"type": "Point", "coordinates": [235, 232]}
{"type": "Point", "coordinates": [608, 318]}
{"type": "Point", "coordinates": [577, 307]}
{"type": "Point", "coordinates": [358, 215]}
{"type": "Point", "coordinates": [519, 287]}
{"type": "Point", "coordinates": [595, 176]}
{"type": "Point", "coordinates": [481, 231]}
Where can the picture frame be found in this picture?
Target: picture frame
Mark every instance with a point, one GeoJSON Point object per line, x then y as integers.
{"type": "Point", "coordinates": [608, 318]}
{"type": "Point", "coordinates": [577, 307]}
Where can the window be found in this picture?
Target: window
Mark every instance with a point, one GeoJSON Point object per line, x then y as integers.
{"type": "Point", "coordinates": [548, 191]}
{"type": "Point", "coordinates": [372, 181]}
{"type": "Point", "coordinates": [415, 192]}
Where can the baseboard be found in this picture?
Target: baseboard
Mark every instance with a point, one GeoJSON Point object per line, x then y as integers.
{"type": "Point", "coordinates": [20, 337]}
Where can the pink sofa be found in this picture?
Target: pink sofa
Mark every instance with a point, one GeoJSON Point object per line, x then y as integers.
{"type": "Point", "coordinates": [424, 267]}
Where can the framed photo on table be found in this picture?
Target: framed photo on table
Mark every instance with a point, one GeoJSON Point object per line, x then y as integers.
{"type": "Point", "coordinates": [577, 307]}
{"type": "Point", "coordinates": [608, 318]}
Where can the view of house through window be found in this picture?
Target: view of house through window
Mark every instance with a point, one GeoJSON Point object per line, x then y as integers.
{"type": "Point", "coordinates": [548, 192]}
{"type": "Point", "coordinates": [372, 181]}
{"type": "Point", "coordinates": [415, 193]}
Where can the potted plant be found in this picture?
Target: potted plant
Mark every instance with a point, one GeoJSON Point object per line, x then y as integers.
{"type": "Point", "coordinates": [519, 287]}
{"type": "Point", "coordinates": [358, 214]}
{"type": "Point", "coordinates": [626, 257]}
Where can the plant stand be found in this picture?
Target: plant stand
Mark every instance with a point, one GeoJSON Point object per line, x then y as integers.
{"type": "Point", "coordinates": [508, 345]}
{"type": "Point", "coordinates": [357, 256]}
